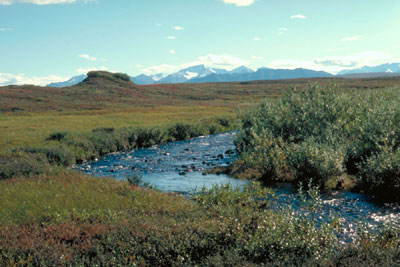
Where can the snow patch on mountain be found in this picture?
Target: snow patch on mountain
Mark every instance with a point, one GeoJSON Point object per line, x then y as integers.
{"type": "Point", "coordinates": [189, 75]}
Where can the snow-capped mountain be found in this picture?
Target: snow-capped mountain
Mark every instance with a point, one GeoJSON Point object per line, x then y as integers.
{"type": "Point", "coordinates": [181, 76]}
{"type": "Point", "coordinates": [187, 74]}
{"type": "Point", "coordinates": [148, 79]}
{"type": "Point", "coordinates": [384, 68]}
{"type": "Point", "coordinates": [245, 74]}
{"type": "Point", "coordinates": [143, 79]}
{"type": "Point", "coordinates": [74, 80]}
{"type": "Point", "coordinates": [242, 69]}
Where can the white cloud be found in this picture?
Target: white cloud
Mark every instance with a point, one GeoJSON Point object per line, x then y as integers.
{"type": "Point", "coordinates": [282, 30]}
{"type": "Point", "coordinates": [337, 63]}
{"type": "Point", "coordinates": [171, 37]}
{"type": "Point", "coordinates": [350, 38]}
{"type": "Point", "coordinates": [5, 29]}
{"type": "Point", "coordinates": [172, 52]}
{"type": "Point", "coordinates": [178, 28]}
{"type": "Point", "coordinates": [218, 61]}
{"type": "Point", "coordinates": [20, 79]}
{"type": "Point", "coordinates": [239, 2]}
{"type": "Point", "coordinates": [86, 56]}
{"type": "Point", "coordinates": [36, 2]}
{"type": "Point", "coordinates": [256, 38]}
{"type": "Point", "coordinates": [86, 70]}
{"type": "Point", "coordinates": [41, 2]}
{"type": "Point", "coordinates": [298, 16]}
{"type": "Point", "coordinates": [164, 68]}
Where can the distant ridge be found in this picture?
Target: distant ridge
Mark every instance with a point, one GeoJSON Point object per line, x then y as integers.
{"type": "Point", "coordinates": [383, 68]}
{"type": "Point", "coordinates": [263, 74]}
{"type": "Point", "coordinates": [203, 74]}
{"type": "Point", "coordinates": [74, 80]}
{"type": "Point", "coordinates": [369, 75]}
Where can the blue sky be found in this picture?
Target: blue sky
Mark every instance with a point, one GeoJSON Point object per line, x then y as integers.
{"type": "Point", "coordinates": [52, 40]}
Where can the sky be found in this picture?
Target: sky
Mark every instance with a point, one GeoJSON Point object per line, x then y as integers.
{"type": "Point", "coordinates": [43, 41]}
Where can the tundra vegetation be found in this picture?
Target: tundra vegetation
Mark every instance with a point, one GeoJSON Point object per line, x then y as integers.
{"type": "Point", "coordinates": [337, 137]}
{"type": "Point", "coordinates": [51, 216]}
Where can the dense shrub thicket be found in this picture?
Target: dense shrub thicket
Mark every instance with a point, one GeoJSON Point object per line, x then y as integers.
{"type": "Point", "coordinates": [327, 134]}
{"type": "Point", "coordinates": [66, 148]}
{"type": "Point", "coordinates": [83, 221]}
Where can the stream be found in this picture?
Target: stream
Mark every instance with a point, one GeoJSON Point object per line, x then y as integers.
{"type": "Point", "coordinates": [179, 167]}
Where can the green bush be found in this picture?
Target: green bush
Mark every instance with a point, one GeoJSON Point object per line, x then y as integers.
{"type": "Point", "coordinates": [55, 154]}
{"type": "Point", "coordinates": [322, 133]}
{"type": "Point", "coordinates": [380, 174]}
{"type": "Point", "coordinates": [57, 136]}
{"type": "Point", "coordinates": [109, 76]}
{"type": "Point", "coordinates": [311, 160]}
{"type": "Point", "coordinates": [22, 164]}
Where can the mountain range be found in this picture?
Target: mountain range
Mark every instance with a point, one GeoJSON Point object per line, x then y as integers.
{"type": "Point", "coordinates": [74, 80]}
{"type": "Point", "coordinates": [384, 68]}
{"type": "Point", "coordinates": [203, 74]}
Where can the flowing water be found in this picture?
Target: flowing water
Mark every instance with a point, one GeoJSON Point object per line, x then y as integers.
{"type": "Point", "coordinates": [179, 167]}
{"type": "Point", "coordinates": [176, 166]}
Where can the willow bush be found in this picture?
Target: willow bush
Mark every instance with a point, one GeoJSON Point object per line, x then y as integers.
{"type": "Point", "coordinates": [325, 133]}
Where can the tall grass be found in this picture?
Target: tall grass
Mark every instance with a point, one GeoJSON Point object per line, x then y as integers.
{"type": "Point", "coordinates": [328, 134]}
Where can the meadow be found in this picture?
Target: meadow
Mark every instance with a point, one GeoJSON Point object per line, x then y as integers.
{"type": "Point", "coordinates": [50, 215]}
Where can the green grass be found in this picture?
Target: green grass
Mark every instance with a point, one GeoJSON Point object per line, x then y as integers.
{"type": "Point", "coordinates": [32, 129]}
{"type": "Point", "coordinates": [58, 198]}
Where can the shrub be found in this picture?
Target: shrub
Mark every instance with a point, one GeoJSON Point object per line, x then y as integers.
{"type": "Point", "coordinates": [22, 164]}
{"type": "Point", "coordinates": [311, 160]}
{"type": "Point", "coordinates": [322, 133]}
{"type": "Point", "coordinates": [380, 175]}
{"type": "Point", "coordinates": [58, 155]}
{"type": "Point", "coordinates": [57, 136]}
{"type": "Point", "coordinates": [109, 76]}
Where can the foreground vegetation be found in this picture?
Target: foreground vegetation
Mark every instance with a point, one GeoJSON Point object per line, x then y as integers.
{"type": "Point", "coordinates": [50, 216]}
{"type": "Point", "coordinates": [337, 137]}
{"type": "Point", "coordinates": [78, 220]}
